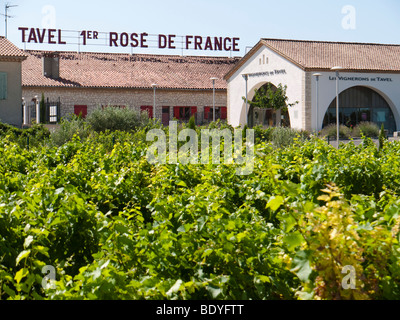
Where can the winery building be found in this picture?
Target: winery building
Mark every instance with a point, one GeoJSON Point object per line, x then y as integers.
{"type": "Point", "coordinates": [78, 83]}
{"type": "Point", "coordinates": [366, 77]}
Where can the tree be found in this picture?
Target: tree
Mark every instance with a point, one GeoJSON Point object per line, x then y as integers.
{"type": "Point", "coordinates": [42, 110]}
{"type": "Point", "coordinates": [271, 97]}
{"type": "Point", "coordinates": [192, 123]}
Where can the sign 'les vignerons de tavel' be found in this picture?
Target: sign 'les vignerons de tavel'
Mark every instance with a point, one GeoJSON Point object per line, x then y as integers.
{"type": "Point", "coordinates": [133, 40]}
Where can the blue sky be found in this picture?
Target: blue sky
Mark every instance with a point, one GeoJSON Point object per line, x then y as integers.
{"type": "Point", "coordinates": [249, 20]}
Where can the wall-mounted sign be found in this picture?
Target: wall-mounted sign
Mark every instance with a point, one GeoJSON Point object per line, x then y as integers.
{"type": "Point", "coordinates": [125, 39]}
{"type": "Point", "coordinates": [268, 73]}
{"type": "Point", "coordinates": [367, 79]}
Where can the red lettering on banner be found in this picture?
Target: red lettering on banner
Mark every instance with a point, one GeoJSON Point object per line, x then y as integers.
{"type": "Point", "coordinates": [124, 39]}
{"type": "Point", "coordinates": [212, 43]}
{"type": "Point", "coordinates": [92, 35]}
{"type": "Point", "coordinates": [188, 42]}
{"type": "Point", "coordinates": [171, 41]}
{"type": "Point", "coordinates": [83, 34]}
{"type": "Point", "coordinates": [23, 33]}
{"type": "Point", "coordinates": [208, 45]}
{"type": "Point", "coordinates": [197, 43]}
{"type": "Point", "coordinates": [32, 36]}
{"type": "Point", "coordinates": [143, 40]}
{"type": "Point", "coordinates": [166, 41]}
{"type": "Point", "coordinates": [218, 43]}
{"type": "Point", "coordinates": [60, 38]}
{"type": "Point", "coordinates": [113, 39]}
{"type": "Point", "coordinates": [162, 41]}
{"type": "Point", "coordinates": [51, 36]}
{"type": "Point", "coordinates": [134, 41]}
{"type": "Point", "coordinates": [54, 36]}
{"type": "Point", "coordinates": [226, 47]}
{"type": "Point", "coordinates": [41, 35]}
{"type": "Point", "coordinates": [236, 44]}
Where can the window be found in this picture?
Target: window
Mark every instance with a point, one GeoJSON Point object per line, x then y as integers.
{"type": "Point", "coordinates": [53, 114]}
{"type": "Point", "coordinates": [184, 113]}
{"type": "Point", "coordinates": [80, 110]}
{"type": "Point", "coordinates": [148, 109]}
{"type": "Point", "coordinates": [3, 86]}
{"type": "Point", "coordinates": [220, 113]}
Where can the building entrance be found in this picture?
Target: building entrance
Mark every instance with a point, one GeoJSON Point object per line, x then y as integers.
{"type": "Point", "coordinates": [361, 104]}
{"type": "Point", "coordinates": [267, 117]}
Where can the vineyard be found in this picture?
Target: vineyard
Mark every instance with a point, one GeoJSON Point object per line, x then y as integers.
{"type": "Point", "coordinates": [109, 225]}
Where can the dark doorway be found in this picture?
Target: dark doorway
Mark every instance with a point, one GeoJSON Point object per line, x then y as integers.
{"type": "Point", "coordinates": [361, 104]}
{"type": "Point", "coordinates": [165, 116]}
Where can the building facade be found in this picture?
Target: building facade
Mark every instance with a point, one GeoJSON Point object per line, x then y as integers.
{"type": "Point", "coordinates": [178, 86]}
{"type": "Point", "coordinates": [10, 82]}
{"type": "Point", "coordinates": [368, 83]}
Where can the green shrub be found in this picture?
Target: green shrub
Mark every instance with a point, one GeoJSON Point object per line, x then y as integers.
{"type": "Point", "coordinates": [263, 134]}
{"type": "Point", "coordinates": [282, 137]}
{"type": "Point", "coordinates": [218, 124]}
{"type": "Point", "coordinates": [114, 119]}
{"type": "Point", "coordinates": [38, 130]}
{"type": "Point", "coordinates": [331, 131]}
{"type": "Point", "coordinates": [192, 123]}
{"type": "Point", "coordinates": [75, 126]}
{"type": "Point", "coordinates": [367, 129]}
{"type": "Point", "coordinates": [38, 134]}
{"type": "Point", "coordinates": [6, 128]}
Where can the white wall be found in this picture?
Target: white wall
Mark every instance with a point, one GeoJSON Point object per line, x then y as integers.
{"type": "Point", "coordinates": [265, 61]}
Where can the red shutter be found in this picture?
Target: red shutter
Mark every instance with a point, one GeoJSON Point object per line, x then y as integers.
{"type": "Point", "coordinates": [224, 113]}
{"type": "Point", "coordinates": [176, 113]}
{"type": "Point", "coordinates": [193, 110]}
{"type": "Point", "coordinates": [206, 112]}
{"type": "Point", "coordinates": [149, 110]}
{"type": "Point", "coordinates": [80, 110]}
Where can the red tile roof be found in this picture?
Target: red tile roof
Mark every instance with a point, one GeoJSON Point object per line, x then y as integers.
{"type": "Point", "coordinates": [107, 70]}
{"type": "Point", "coordinates": [323, 55]}
{"type": "Point", "coordinates": [10, 51]}
{"type": "Point", "coordinates": [350, 56]}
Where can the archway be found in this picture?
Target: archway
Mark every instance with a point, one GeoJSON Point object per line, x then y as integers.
{"type": "Point", "coordinates": [359, 104]}
{"type": "Point", "coordinates": [268, 117]}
